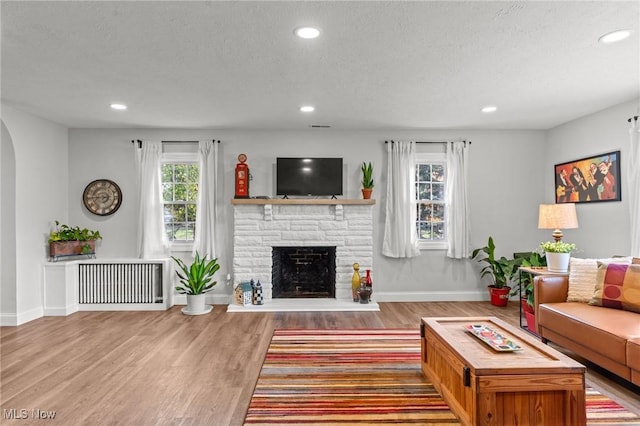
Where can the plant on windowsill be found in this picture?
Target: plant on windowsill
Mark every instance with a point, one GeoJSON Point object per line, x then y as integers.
{"type": "Point", "coordinates": [196, 280]}
{"type": "Point", "coordinates": [367, 180]}
{"type": "Point", "coordinates": [66, 240]}
{"type": "Point", "coordinates": [557, 254]}
{"type": "Point", "coordinates": [500, 271]}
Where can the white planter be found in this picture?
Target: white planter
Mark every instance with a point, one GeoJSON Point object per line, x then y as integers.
{"type": "Point", "coordinates": [557, 262]}
{"type": "Point", "coordinates": [195, 305]}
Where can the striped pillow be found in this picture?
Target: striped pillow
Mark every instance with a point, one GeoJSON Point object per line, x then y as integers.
{"type": "Point", "coordinates": [617, 287]}
{"type": "Point", "coordinates": [582, 277]}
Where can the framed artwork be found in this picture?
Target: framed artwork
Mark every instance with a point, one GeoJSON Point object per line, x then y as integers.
{"type": "Point", "coordinates": [589, 179]}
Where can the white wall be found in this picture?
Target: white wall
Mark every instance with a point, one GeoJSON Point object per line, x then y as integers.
{"type": "Point", "coordinates": [603, 226]}
{"type": "Point", "coordinates": [505, 190]}
{"type": "Point", "coordinates": [511, 172]}
{"type": "Point", "coordinates": [41, 188]}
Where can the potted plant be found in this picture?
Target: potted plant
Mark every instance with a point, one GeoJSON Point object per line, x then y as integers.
{"type": "Point", "coordinates": [367, 180]}
{"type": "Point", "coordinates": [196, 281]}
{"type": "Point", "coordinates": [525, 284]}
{"type": "Point", "coordinates": [557, 254]}
{"type": "Point", "coordinates": [525, 281]}
{"type": "Point", "coordinates": [72, 241]}
{"type": "Point", "coordinates": [500, 271]}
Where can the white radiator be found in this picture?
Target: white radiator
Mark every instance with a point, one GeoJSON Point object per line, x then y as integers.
{"type": "Point", "coordinates": [111, 283]}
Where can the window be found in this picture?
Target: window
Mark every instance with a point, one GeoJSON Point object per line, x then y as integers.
{"type": "Point", "coordinates": [180, 195]}
{"type": "Point", "coordinates": [430, 201]}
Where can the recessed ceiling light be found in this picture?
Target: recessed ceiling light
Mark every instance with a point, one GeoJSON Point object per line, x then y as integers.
{"type": "Point", "coordinates": [614, 36]}
{"type": "Point", "coordinates": [489, 108]}
{"type": "Point", "coordinates": [119, 107]}
{"type": "Point", "coordinates": [307, 108]}
{"type": "Point", "coordinates": [307, 32]}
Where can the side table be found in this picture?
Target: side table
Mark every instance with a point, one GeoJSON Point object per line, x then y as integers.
{"type": "Point", "coordinates": [533, 271]}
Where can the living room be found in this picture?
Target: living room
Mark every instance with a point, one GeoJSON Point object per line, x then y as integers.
{"type": "Point", "coordinates": [50, 153]}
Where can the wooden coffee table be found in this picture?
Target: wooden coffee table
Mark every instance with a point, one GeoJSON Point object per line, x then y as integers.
{"type": "Point", "coordinates": [483, 386]}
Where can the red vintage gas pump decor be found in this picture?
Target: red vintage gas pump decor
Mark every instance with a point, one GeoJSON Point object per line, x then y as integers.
{"type": "Point", "coordinates": [242, 177]}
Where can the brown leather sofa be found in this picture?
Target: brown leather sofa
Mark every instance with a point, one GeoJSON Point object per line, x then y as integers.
{"type": "Point", "coordinates": [607, 337]}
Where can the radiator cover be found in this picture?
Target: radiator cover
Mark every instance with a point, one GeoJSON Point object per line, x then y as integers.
{"type": "Point", "coordinates": [119, 283]}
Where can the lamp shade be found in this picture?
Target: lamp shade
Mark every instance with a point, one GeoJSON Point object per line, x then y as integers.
{"type": "Point", "coordinates": [557, 217]}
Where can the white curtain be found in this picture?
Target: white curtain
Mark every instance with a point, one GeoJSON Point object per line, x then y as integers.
{"type": "Point", "coordinates": [204, 242]}
{"type": "Point", "coordinates": [633, 177]}
{"type": "Point", "coordinates": [152, 240]}
{"type": "Point", "coordinates": [457, 201]}
{"type": "Point", "coordinates": [400, 234]}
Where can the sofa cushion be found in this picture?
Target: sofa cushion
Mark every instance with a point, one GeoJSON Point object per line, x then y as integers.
{"type": "Point", "coordinates": [617, 286]}
{"type": "Point", "coordinates": [582, 277]}
{"type": "Point", "coordinates": [633, 353]}
{"type": "Point", "coordinates": [604, 330]}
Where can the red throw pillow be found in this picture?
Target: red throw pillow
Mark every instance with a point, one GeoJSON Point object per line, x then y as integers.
{"type": "Point", "coordinates": [617, 286]}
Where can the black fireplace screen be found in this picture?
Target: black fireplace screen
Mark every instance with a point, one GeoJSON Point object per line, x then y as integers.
{"type": "Point", "coordinates": [304, 272]}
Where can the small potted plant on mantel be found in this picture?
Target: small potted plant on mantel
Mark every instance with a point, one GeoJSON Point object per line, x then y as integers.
{"type": "Point", "coordinates": [367, 180]}
{"type": "Point", "coordinates": [558, 254]}
{"type": "Point", "coordinates": [196, 281]}
{"type": "Point", "coordinates": [499, 270]}
{"type": "Point", "coordinates": [72, 241]}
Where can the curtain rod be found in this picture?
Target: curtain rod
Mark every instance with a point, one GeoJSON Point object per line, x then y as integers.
{"type": "Point", "coordinates": [140, 142]}
{"type": "Point", "coordinates": [465, 142]}
{"type": "Point", "coordinates": [635, 117]}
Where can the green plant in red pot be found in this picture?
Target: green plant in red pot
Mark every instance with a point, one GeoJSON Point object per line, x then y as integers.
{"type": "Point", "coordinates": [524, 281]}
{"type": "Point", "coordinates": [499, 270]}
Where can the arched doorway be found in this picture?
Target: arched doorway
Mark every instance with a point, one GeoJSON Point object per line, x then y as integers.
{"type": "Point", "coordinates": [8, 290]}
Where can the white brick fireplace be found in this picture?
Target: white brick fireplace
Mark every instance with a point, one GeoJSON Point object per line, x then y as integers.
{"type": "Point", "coordinates": [260, 225]}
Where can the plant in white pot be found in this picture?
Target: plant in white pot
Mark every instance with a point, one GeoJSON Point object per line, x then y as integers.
{"type": "Point", "coordinates": [196, 280]}
{"type": "Point", "coordinates": [557, 254]}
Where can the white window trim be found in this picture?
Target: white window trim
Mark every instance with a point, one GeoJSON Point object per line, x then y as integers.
{"type": "Point", "coordinates": [432, 157]}
{"type": "Point", "coordinates": [179, 157]}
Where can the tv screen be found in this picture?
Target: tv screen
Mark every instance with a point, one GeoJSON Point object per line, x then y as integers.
{"type": "Point", "coordinates": [308, 176]}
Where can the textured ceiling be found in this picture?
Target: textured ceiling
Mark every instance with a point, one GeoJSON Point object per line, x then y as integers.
{"type": "Point", "coordinates": [393, 65]}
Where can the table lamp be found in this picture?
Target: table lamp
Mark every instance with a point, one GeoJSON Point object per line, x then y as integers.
{"type": "Point", "coordinates": [557, 217]}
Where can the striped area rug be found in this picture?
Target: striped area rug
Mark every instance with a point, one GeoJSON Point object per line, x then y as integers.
{"type": "Point", "coordinates": [358, 376]}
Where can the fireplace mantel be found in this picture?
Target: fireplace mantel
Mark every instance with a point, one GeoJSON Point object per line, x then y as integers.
{"type": "Point", "coordinates": [302, 201]}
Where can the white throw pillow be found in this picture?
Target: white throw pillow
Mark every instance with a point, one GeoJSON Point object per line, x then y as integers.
{"type": "Point", "coordinates": [582, 277]}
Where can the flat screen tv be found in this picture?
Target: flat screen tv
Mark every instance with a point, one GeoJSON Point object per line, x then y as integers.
{"type": "Point", "coordinates": [308, 176]}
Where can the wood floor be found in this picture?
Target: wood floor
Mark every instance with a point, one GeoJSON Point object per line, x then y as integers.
{"type": "Point", "coordinates": [167, 368]}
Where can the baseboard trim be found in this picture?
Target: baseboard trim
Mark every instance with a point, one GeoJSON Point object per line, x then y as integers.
{"type": "Point", "coordinates": [60, 312]}
{"type": "Point", "coordinates": [8, 320]}
{"type": "Point", "coordinates": [431, 296]}
{"type": "Point", "coordinates": [12, 320]}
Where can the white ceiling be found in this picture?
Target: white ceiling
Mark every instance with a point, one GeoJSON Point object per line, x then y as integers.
{"type": "Point", "coordinates": [391, 65]}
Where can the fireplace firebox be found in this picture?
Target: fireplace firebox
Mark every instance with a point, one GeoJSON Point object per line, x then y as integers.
{"type": "Point", "coordinates": [304, 272]}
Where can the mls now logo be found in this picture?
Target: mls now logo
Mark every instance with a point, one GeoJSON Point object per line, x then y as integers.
{"type": "Point", "coordinates": [23, 413]}
{"type": "Point", "coordinates": [15, 414]}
